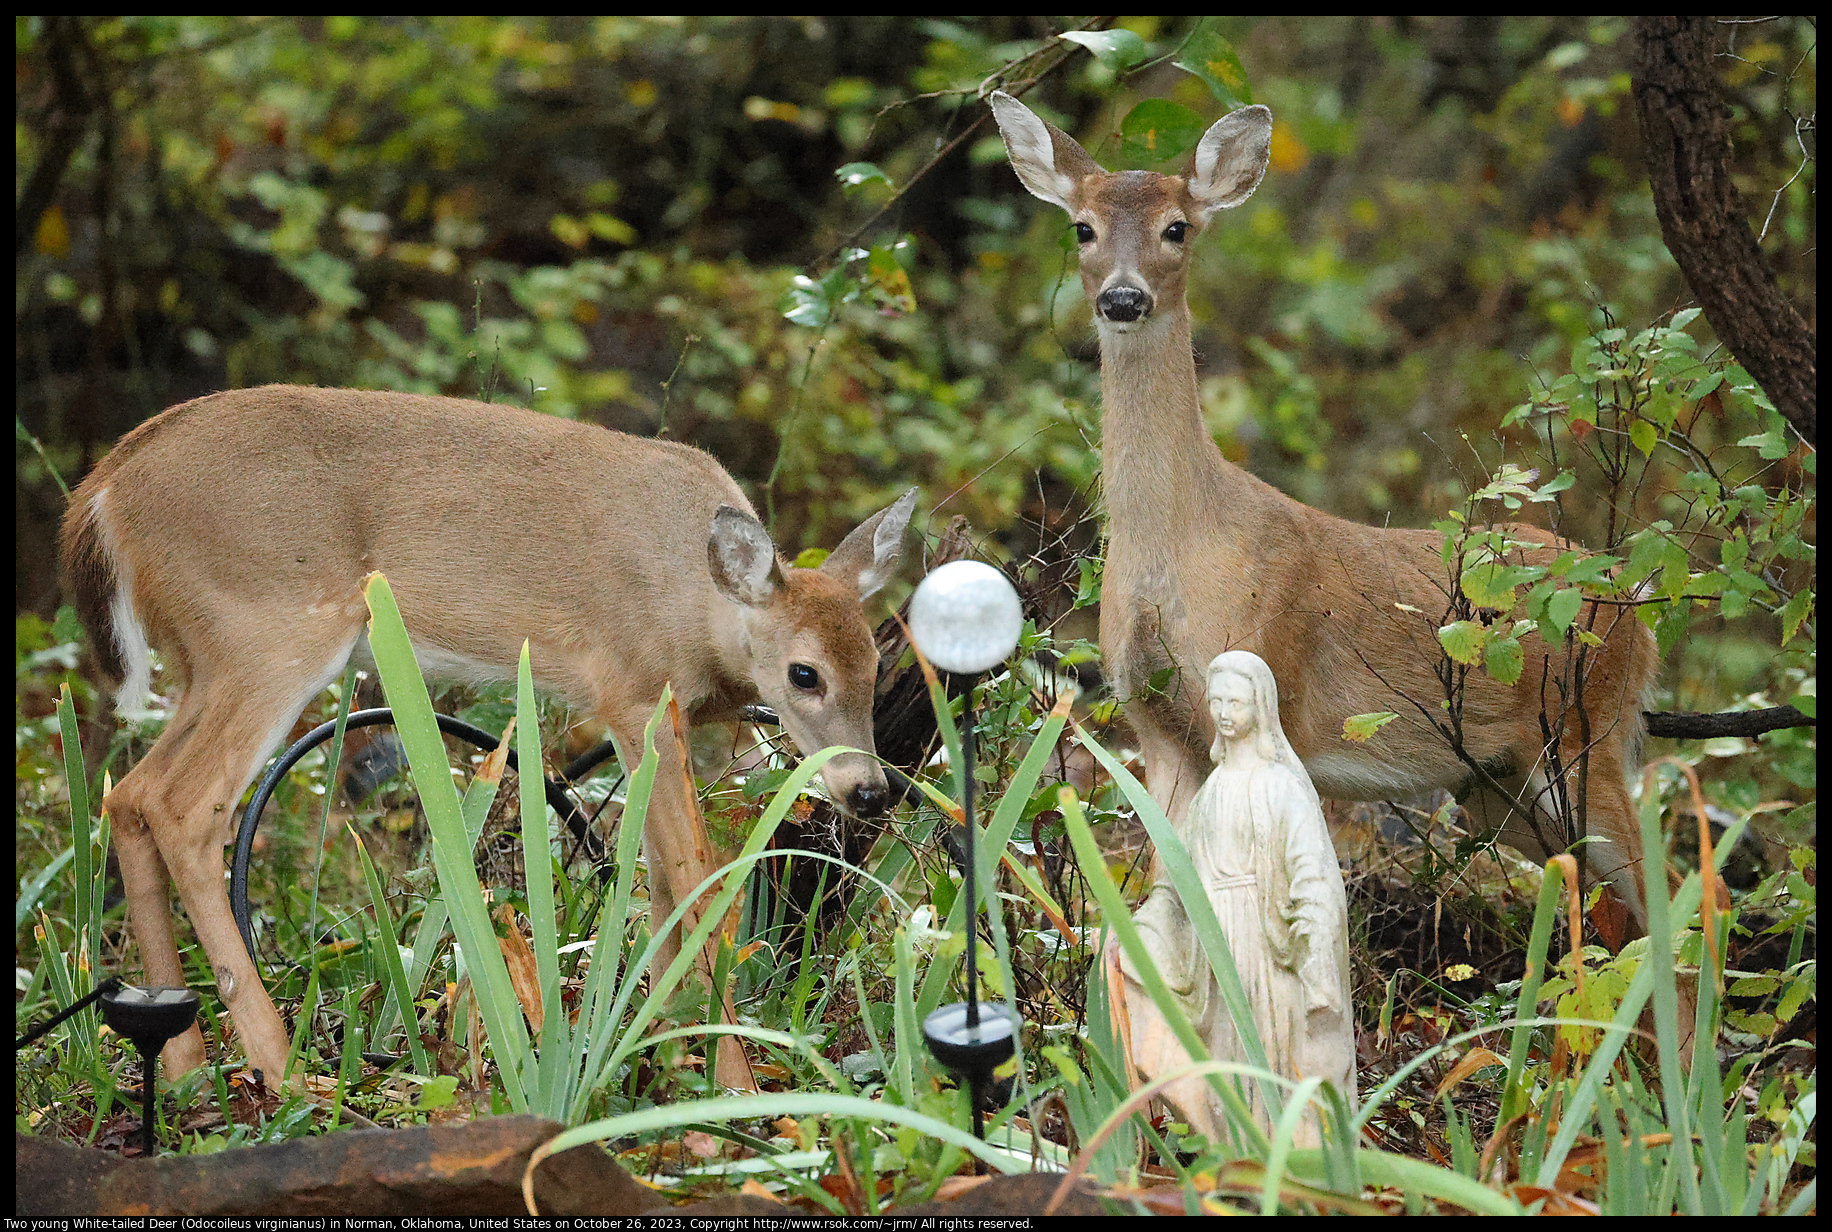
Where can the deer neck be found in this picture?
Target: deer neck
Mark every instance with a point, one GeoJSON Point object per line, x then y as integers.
{"type": "Point", "coordinates": [1160, 471]}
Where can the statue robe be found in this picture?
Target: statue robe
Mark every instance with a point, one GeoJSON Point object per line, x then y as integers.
{"type": "Point", "coordinates": [1259, 843]}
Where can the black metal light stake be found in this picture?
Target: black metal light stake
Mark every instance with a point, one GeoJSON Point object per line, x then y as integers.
{"type": "Point", "coordinates": [965, 618]}
{"type": "Point", "coordinates": [149, 1017]}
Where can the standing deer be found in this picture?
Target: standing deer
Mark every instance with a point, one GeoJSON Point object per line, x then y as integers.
{"type": "Point", "coordinates": [1203, 557]}
{"type": "Point", "coordinates": [233, 534]}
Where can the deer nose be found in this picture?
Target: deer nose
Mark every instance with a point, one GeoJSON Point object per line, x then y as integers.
{"type": "Point", "coordinates": [868, 799]}
{"type": "Point", "coordinates": [1123, 303]}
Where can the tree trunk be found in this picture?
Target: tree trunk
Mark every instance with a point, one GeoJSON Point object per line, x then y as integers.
{"type": "Point", "coordinates": [1687, 146]}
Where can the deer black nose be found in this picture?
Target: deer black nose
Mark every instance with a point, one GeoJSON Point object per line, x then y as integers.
{"type": "Point", "coordinates": [868, 800]}
{"type": "Point", "coordinates": [1123, 303]}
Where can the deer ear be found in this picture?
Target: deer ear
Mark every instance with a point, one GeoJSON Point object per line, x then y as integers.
{"type": "Point", "coordinates": [867, 558]}
{"type": "Point", "coordinates": [1050, 163]}
{"type": "Point", "coordinates": [1230, 159]}
{"type": "Point", "coordinates": [742, 558]}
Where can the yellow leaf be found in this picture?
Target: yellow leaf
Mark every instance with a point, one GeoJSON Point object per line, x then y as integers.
{"type": "Point", "coordinates": [1359, 727]}
{"type": "Point", "coordinates": [53, 235]}
{"type": "Point", "coordinates": [1289, 153]}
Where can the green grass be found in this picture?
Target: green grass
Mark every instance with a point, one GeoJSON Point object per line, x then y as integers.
{"type": "Point", "coordinates": [1604, 1119]}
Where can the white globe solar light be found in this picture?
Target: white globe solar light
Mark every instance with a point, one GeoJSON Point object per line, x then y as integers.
{"type": "Point", "coordinates": [965, 617]}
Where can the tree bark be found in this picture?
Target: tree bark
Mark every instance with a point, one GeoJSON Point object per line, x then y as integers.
{"type": "Point", "coordinates": [1687, 146]}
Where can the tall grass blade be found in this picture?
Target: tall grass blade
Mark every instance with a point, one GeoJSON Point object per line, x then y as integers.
{"type": "Point", "coordinates": [88, 903]}
{"type": "Point", "coordinates": [780, 1104]}
{"type": "Point", "coordinates": [1412, 1176]}
{"type": "Point", "coordinates": [419, 732]}
{"type": "Point", "coordinates": [34, 889]}
{"type": "Point", "coordinates": [1659, 960]}
{"type": "Point", "coordinates": [1513, 1092]}
{"type": "Point", "coordinates": [605, 996]}
{"type": "Point", "coordinates": [402, 992]}
{"type": "Point", "coordinates": [556, 1055]}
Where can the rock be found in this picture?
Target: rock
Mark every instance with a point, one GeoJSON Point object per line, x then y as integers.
{"type": "Point", "coordinates": [1025, 1193]}
{"type": "Point", "coordinates": [433, 1170]}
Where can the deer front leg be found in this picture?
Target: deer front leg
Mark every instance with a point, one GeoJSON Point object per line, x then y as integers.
{"type": "Point", "coordinates": [680, 856]}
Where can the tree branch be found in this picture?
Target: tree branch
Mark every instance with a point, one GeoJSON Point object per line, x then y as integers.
{"type": "Point", "coordinates": [1685, 725]}
{"type": "Point", "coordinates": [1015, 89]}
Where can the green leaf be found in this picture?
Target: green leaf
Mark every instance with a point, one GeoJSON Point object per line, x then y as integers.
{"type": "Point", "coordinates": [610, 228]}
{"type": "Point", "coordinates": [1359, 727]}
{"type": "Point", "coordinates": [1064, 1061]}
{"type": "Point", "coordinates": [1734, 551]}
{"type": "Point", "coordinates": [1491, 583]}
{"type": "Point", "coordinates": [1644, 436]}
{"type": "Point", "coordinates": [854, 176]}
{"type": "Point", "coordinates": [1796, 995]}
{"type": "Point", "coordinates": [811, 303]}
{"type": "Point", "coordinates": [1675, 568]}
{"type": "Point", "coordinates": [569, 230]}
{"type": "Point", "coordinates": [1795, 614]}
{"type": "Point", "coordinates": [1704, 385]}
{"type": "Point", "coordinates": [1158, 130]}
{"type": "Point", "coordinates": [436, 1093]}
{"type": "Point", "coordinates": [1119, 50]}
{"type": "Point", "coordinates": [1210, 57]}
{"type": "Point", "coordinates": [1771, 444]}
{"type": "Point", "coordinates": [1671, 625]}
{"type": "Point", "coordinates": [1502, 658]}
{"type": "Point", "coordinates": [1643, 556]}
{"type": "Point", "coordinates": [1562, 608]}
{"type": "Point", "coordinates": [1462, 640]}
{"type": "Point", "coordinates": [886, 280]}
{"type": "Point", "coordinates": [1591, 570]}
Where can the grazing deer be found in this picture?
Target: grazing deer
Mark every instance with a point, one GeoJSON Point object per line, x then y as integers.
{"type": "Point", "coordinates": [233, 533]}
{"type": "Point", "coordinates": [1203, 557]}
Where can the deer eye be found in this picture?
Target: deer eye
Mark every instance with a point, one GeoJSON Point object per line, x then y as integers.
{"type": "Point", "coordinates": [1084, 234]}
{"type": "Point", "coordinates": [1174, 233]}
{"type": "Point", "coordinates": [804, 677]}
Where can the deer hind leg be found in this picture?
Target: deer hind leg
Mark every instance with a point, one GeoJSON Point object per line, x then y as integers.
{"type": "Point", "coordinates": [176, 808]}
{"type": "Point", "coordinates": [149, 908]}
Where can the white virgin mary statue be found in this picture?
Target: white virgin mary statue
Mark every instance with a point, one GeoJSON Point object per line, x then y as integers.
{"type": "Point", "coordinates": [1257, 838]}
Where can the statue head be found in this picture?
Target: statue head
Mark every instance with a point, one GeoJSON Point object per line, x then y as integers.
{"type": "Point", "coordinates": [1232, 676]}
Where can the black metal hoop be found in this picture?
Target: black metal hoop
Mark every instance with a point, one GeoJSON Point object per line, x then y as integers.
{"type": "Point", "coordinates": [555, 791]}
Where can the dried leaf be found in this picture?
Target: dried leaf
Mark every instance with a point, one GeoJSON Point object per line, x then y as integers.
{"type": "Point", "coordinates": [520, 960]}
{"type": "Point", "coordinates": [1473, 1060]}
